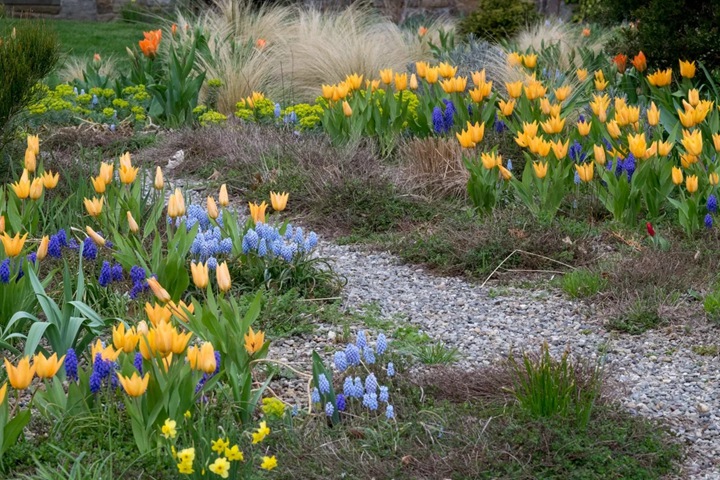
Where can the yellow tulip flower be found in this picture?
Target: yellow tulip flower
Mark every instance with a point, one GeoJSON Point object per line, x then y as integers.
{"type": "Point", "coordinates": [47, 367]}
{"type": "Point", "coordinates": [254, 341]}
{"type": "Point", "coordinates": [506, 108]}
{"type": "Point", "coordinates": [354, 81]}
{"type": "Point", "coordinates": [223, 277]}
{"type": "Point", "coordinates": [560, 149]}
{"type": "Point", "coordinates": [128, 174]}
{"type": "Point", "coordinates": [146, 344]}
{"type": "Point", "coordinates": [583, 127]}
{"type": "Point", "coordinates": [529, 60]}
{"type": "Point", "coordinates": [505, 173]}
{"type": "Point", "coordinates": [582, 74]}
{"type": "Point", "coordinates": [687, 69]}
{"type": "Point", "coordinates": [157, 314]}
{"type": "Point", "coordinates": [514, 89]}
{"type": "Point", "coordinates": [212, 208]}
{"type": "Point", "coordinates": [157, 289]}
{"type": "Point", "coordinates": [125, 160]}
{"type": "Point", "coordinates": [432, 74]}
{"type": "Point", "coordinates": [421, 68]}
{"type": "Point", "coordinates": [36, 188]}
{"type": "Point", "coordinates": [637, 145]}
{"type": "Point", "coordinates": [688, 159]}
{"type": "Point", "coordinates": [200, 274]}
{"type": "Point", "coordinates": [562, 93]}
{"type": "Point", "coordinates": [613, 128]}
{"type": "Point", "coordinates": [98, 184]}
{"type": "Point", "coordinates": [50, 180]}
{"type": "Point", "coordinates": [713, 178]}
{"type": "Point", "coordinates": [20, 376]}
{"type": "Point", "coordinates": [693, 97]}
{"type": "Point", "coordinates": [2, 223]}
{"type": "Point", "coordinates": [716, 141]}
{"type": "Point", "coordinates": [599, 154]}
{"type": "Point", "coordinates": [553, 125]}
{"type": "Point", "coordinates": [327, 91]}
{"type": "Point", "coordinates": [206, 358]}
{"type": "Point", "coordinates": [135, 385]}
{"type": "Point", "coordinates": [490, 160]}
{"type": "Point", "coordinates": [22, 186]}
{"type": "Point", "coordinates": [413, 82]}
{"type": "Point", "coordinates": [132, 224]}
{"type": "Point", "coordinates": [164, 338]}
{"type": "Point", "coordinates": [125, 340]}
{"type": "Point", "coordinates": [540, 169]}
{"type": "Point", "coordinates": [43, 248]}
{"type": "Point", "coordinates": [94, 207]}
{"type": "Point", "coordinates": [3, 393]}
{"type": "Point", "coordinates": [279, 200]}
{"type": "Point", "coordinates": [465, 139]}
{"type": "Point", "coordinates": [33, 143]}
{"type": "Point", "coordinates": [693, 142]}
{"type": "Point", "coordinates": [660, 78]}
{"type": "Point", "coordinates": [446, 70]}
{"type": "Point", "coordinates": [178, 309]}
{"type": "Point", "coordinates": [585, 171]}
{"type": "Point", "coordinates": [223, 196]}
{"type": "Point", "coordinates": [30, 160]}
{"type": "Point", "coordinates": [691, 183]}
{"type": "Point", "coordinates": [386, 76]}
{"type": "Point", "coordinates": [535, 90]}
{"type": "Point", "coordinates": [176, 204]}
{"type": "Point", "coordinates": [106, 172]}
{"type": "Point", "coordinates": [514, 59]}
{"type": "Point", "coordinates": [159, 182]}
{"type": "Point", "coordinates": [180, 341]}
{"type": "Point", "coordinates": [478, 78]}
{"type": "Point", "coordinates": [477, 131]}
{"type": "Point", "coordinates": [401, 81]}
{"type": "Point", "coordinates": [653, 114]}
{"type": "Point", "coordinates": [99, 241]}
{"type": "Point", "coordinates": [664, 148]}
{"type": "Point", "coordinates": [257, 212]}
{"type": "Point", "coordinates": [347, 109]}
{"type": "Point", "coordinates": [677, 176]}
{"type": "Point", "coordinates": [13, 245]}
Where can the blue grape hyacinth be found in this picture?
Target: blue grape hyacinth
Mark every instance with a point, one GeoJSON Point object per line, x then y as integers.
{"type": "Point", "coordinates": [341, 362]}
{"type": "Point", "coordinates": [323, 384]}
{"type": "Point", "coordinates": [712, 203]}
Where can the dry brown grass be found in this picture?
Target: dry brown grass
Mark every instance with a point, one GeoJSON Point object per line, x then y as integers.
{"type": "Point", "coordinates": [433, 166]}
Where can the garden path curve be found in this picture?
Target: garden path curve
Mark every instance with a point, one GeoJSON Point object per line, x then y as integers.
{"type": "Point", "coordinates": [658, 372]}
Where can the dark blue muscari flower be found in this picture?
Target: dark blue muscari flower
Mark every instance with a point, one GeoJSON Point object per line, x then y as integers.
{"type": "Point", "coordinates": [576, 153]}
{"type": "Point", "coordinates": [470, 111]}
{"type": "Point", "coordinates": [137, 274]}
{"type": "Point", "coordinates": [89, 249]}
{"type": "Point", "coordinates": [5, 271]}
{"type": "Point", "coordinates": [581, 118]}
{"type": "Point", "coordinates": [138, 362]}
{"type": "Point", "coordinates": [629, 166]}
{"type": "Point", "coordinates": [438, 120]}
{"type": "Point", "coordinates": [62, 237]}
{"type": "Point", "coordinates": [712, 203]}
{"type": "Point", "coordinates": [105, 274]}
{"type": "Point", "coordinates": [32, 257]}
{"type": "Point", "coordinates": [708, 221]}
{"type": "Point", "coordinates": [55, 247]}
{"type": "Point", "coordinates": [608, 145]}
{"type": "Point", "coordinates": [340, 402]}
{"type": "Point", "coordinates": [20, 274]}
{"type": "Point", "coordinates": [71, 364]}
{"type": "Point", "coordinates": [449, 117]}
{"type": "Point", "coordinates": [73, 244]}
{"type": "Point", "coordinates": [117, 273]}
{"type": "Point", "coordinates": [499, 125]}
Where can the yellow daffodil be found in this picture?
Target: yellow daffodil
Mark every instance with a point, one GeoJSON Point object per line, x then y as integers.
{"type": "Point", "coordinates": [220, 467]}
{"type": "Point", "coordinates": [254, 341]}
{"type": "Point", "coordinates": [47, 367]}
{"type": "Point", "coordinates": [200, 274]}
{"type": "Point", "coordinates": [279, 200]}
{"type": "Point", "coordinates": [50, 180]}
{"type": "Point", "coordinates": [599, 154]}
{"type": "Point", "coordinates": [157, 289]}
{"type": "Point", "coordinates": [687, 69]}
{"type": "Point", "coordinates": [257, 212]}
{"type": "Point", "coordinates": [268, 463]}
{"type": "Point", "coordinates": [218, 446]}
{"type": "Point", "coordinates": [134, 386]}
{"type": "Point", "coordinates": [43, 248]}
{"type": "Point", "coordinates": [125, 340]}
{"type": "Point", "coordinates": [13, 245]}
{"type": "Point", "coordinates": [691, 183]}
{"type": "Point", "coordinates": [260, 434]}
{"type": "Point", "coordinates": [159, 182]}
{"type": "Point", "coordinates": [36, 188]}
{"type": "Point", "coordinates": [20, 376]}
{"type": "Point", "coordinates": [660, 78]}
{"type": "Point", "coordinates": [540, 169]}
{"type": "Point", "coordinates": [94, 207]}
{"type": "Point", "coordinates": [22, 186]}
{"type": "Point", "coordinates": [33, 143]}
{"type": "Point", "coordinates": [168, 428]}
{"type": "Point", "coordinates": [677, 176]}
{"type": "Point", "coordinates": [234, 454]}
{"type": "Point", "coordinates": [99, 241]}
{"type": "Point", "coordinates": [223, 277]}
{"type": "Point", "coordinates": [585, 171]}
{"type": "Point", "coordinates": [30, 160]}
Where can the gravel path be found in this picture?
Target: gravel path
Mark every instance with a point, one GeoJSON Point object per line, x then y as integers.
{"type": "Point", "coordinates": [661, 376]}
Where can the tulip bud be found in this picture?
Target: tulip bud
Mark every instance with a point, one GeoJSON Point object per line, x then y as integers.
{"type": "Point", "coordinates": [30, 160]}
{"type": "Point", "coordinates": [347, 110]}
{"type": "Point", "coordinates": [212, 209]}
{"type": "Point", "coordinates": [159, 181]}
{"type": "Point", "coordinates": [413, 82]}
{"type": "Point", "coordinates": [223, 277]}
{"type": "Point", "coordinates": [43, 248]}
{"type": "Point", "coordinates": [142, 327]}
{"type": "Point", "coordinates": [223, 197]}
{"type": "Point", "coordinates": [99, 241]}
{"type": "Point", "coordinates": [132, 223]}
{"type": "Point", "coordinates": [157, 289]}
{"type": "Point", "coordinates": [2, 223]}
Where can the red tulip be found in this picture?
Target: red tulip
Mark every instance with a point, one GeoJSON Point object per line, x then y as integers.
{"type": "Point", "coordinates": [650, 229]}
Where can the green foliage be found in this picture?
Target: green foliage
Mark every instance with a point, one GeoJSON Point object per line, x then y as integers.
{"type": "Point", "coordinates": [28, 53]}
{"type": "Point", "coordinates": [711, 304]}
{"type": "Point", "coordinates": [583, 282]}
{"type": "Point", "coordinates": [642, 316]}
{"type": "Point", "coordinates": [436, 354]}
{"type": "Point", "coordinates": [498, 19]}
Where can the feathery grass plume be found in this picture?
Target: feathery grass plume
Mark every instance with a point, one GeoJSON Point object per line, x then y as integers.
{"type": "Point", "coordinates": [434, 166]}
{"type": "Point", "coordinates": [74, 66]}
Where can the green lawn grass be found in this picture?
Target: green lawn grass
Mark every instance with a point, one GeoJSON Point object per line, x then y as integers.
{"type": "Point", "coordinates": [87, 38]}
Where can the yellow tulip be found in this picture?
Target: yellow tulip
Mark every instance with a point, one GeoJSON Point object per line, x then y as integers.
{"type": "Point", "coordinates": [693, 97]}
{"type": "Point", "coordinates": [212, 208]}
{"type": "Point", "coordinates": [601, 84]}
{"type": "Point", "coordinates": [651, 150]}
{"type": "Point", "coordinates": [582, 74]}
{"type": "Point", "coordinates": [401, 81]}
{"type": "Point", "coordinates": [206, 358]}
{"type": "Point", "coordinates": [506, 107]}
{"type": "Point", "coordinates": [180, 341]}
{"type": "Point", "coordinates": [478, 78]}
{"type": "Point", "coordinates": [583, 128]}
{"type": "Point", "coordinates": [446, 70]}
{"type": "Point", "coordinates": [529, 60]}
{"type": "Point", "coordinates": [132, 224]}
{"type": "Point", "coordinates": [159, 182]}
{"type": "Point", "coordinates": [354, 81]}
{"type": "Point", "coordinates": [637, 145]}
{"type": "Point", "coordinates": [254, 341]}
{"type": "Point", "coordinates": [386, 76]}
{"type": "Point", "coordinates": [535, 90]}
{"type": "Point", "coordinates": [327, 91]}
{"type": "Point", "coordinates": [223, 277]}
{"type": "Point", "coordinates": [128, 174]}
{"type": "Point", "coordinates": [125, 340]}
{"type": "Point", "coordinates": [505, 173]}
{"type": "Point", "coordinates": [693, 142]}
{"type": "Point", "coordinates": [106, 172]}
{"type": "Point", "coordinates": [193, 357]}
{"type": "Point", "coordinates": [540, 169]}
{"type": "Point", "coordinates": [716, 141]}
{"type": "Point", "coordinates": [164, 338]}
{"type": "Point", "coordinates": [33, 143]}
{"type": "Point", "coordinates": [13, 245]}
{"type": "Point", "coordinates": [530, 129]}
{"type": "Point", "coordinates": [432, 74]}
{"type": "Point", "coordinates": [134, 386]}
{"type": "Point", "coordinates": [176, 204]}
{"type": "Point", "coordinates": [94, 207]}
{"type": "Point", "coordinates": [257, 212]}
{"type": "Point", "coordinates": [664, 148]}
{"type": "Point", "coordinates": [99, 241]}
{"type": "Point", "coordinates": [585, 171]}
{"type": "Point", "coordinates": [125, 160]}
{"type": "Point", "coordinates": [687, 69]}
{"type": "Point", "coordinates": [691, 183]}
{"type": "Point", "coordinates": [687, 118]}
{"type": "Point", "coordinates": [2, 223]}
{"type": "Point", "coordinates": [465, 139]}
{"type": "Point", "coordinates": [653, 114]}
{"type": "Point", "coordinates": [3, 392]}
{"type": "Point", "coordinates": [553, 125]}
{"type": "Point", "coordinates": [522, 139]}
{"type": "Point", "coordinates": [178, 310]}
{"type": "Point", "coordinates": [514, 59]}
{"type": "Point", "coordinates": [562, 93]}
{"type": "Point", "coordinates": [36, 188]}
{"type": "Point", "coordinates": [157, 314]}
{"type": "Point", "coordinates": [43, 248]}
{"type": "Point", "coordinates": [660, 78]}
{"type": "Point", "coordinates": [613, 128]}
{"type": "Point", "coordinates": [490, 160]}
{"type": "Point", "coordinates": [50, 180]}
{"type": "Point", "coordinates": [688, 159]}
{"type": "Point", "coordinates": [347, 109]}
{"type": "Point", "coordinates": [22, 186]}
{"type": "Point", "coordinates": [514, 89]}
{"type": "Point", "coordinates": [157, 289]}
{"type": "Point", "coordinates": [543, 147]}
{"type": "Point", "coordinates": [713, 178]}
{"type": "Point", "coordinates": [30, 160]}
{"type": "Point", "coordinates": [146, 344]}
{"type": "Point", "coordinates": [677, 176]}
{"type": "Point", "coordinates": [413, 82]}
{"type": "Point", "coordinates": [421, 68]}
{"type": "Point", "coordinates": [98, 184]}
{"type": "Point", "coordinates": [223, 196]}
{"type": "Point", "coordinates": [560, 149]}
{"type": "Point", "coordinates": [142, 327]}
{"type": "Point", "coordinates": [477, 131]}
{"type": "Point", "coordinates": [47, 367]}
{"type": "Point", "coordinates": [20, 376]}
{"type": "Point", "coordinates": [200, 274]}
{"type": "Point", "coordinates": [599, 153]}
{"type": "Point", "coordinates": [279, 200]}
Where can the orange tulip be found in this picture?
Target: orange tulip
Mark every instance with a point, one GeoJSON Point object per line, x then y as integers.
{"type": "Point", "coordinates": [149, 46]}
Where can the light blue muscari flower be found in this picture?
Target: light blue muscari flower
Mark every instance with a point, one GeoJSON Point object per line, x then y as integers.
{"type": "Point", "coordinates": [369, 355]}
{"type": "Point", "coordinates": [359, 389]}
{"type": "Point", "coordinates": [389, 412]}
{"type": "Point", "coordinates": [348, 387]}
{"type": "Point", "coordinates": [277, 110]}
{"type": "Point", "coordinates": [315, 396]}
{"type": "Point", "coordinates": [381, 344]}
{"type": "Point", "coordinates": [391, 369]}
{"type": "Point", "coordinates": [323, 384]}
{"type": "Point", "coordinates": [361, 340]}
{"type": "Point", "coordinates": [329, 409]}
{"type": "Point", "coordinates": [262, 248]}
{"type": "Point", "coordinates": [370, 401]}
{"type": "Point", "coordinates": [371, 384]}
{"type": "Point", "coordinates": [352, 353]}
{"type": "Point", "coordinates": [341, 362]}
{"type": "Point", "coordinates": [384, 395]}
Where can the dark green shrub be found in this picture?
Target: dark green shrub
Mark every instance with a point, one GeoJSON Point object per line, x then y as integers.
{"type": "Point", "coordinates": [28, 52]}
{"type": "Point", "coordinates": [498, 19]}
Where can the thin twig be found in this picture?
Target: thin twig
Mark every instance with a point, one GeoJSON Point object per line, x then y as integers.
{"type": "Point", "coordinates": [533, 271]}
{"type": "Point", "coordinates": [527, 253]}
{"type": "Point", "coordinates": [318, 299]}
